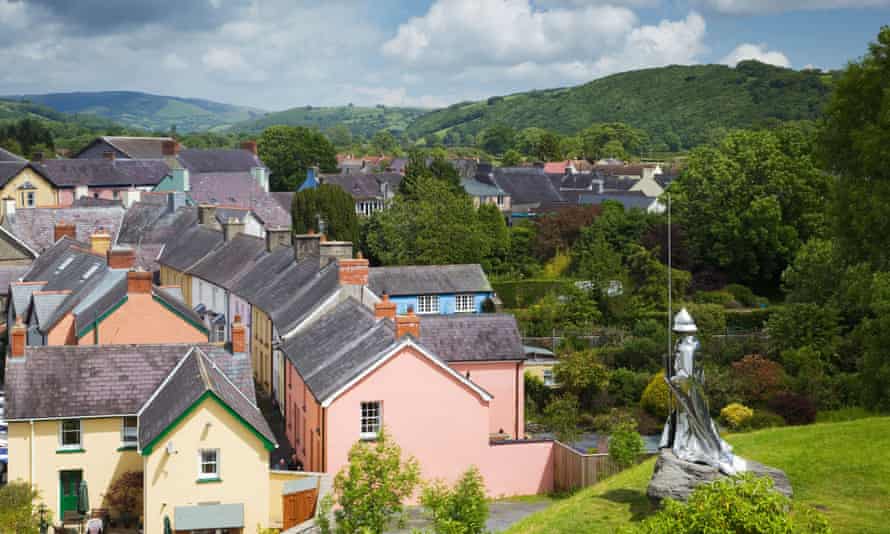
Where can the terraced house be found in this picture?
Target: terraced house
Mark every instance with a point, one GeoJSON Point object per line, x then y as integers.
{"type": "Point", "coordinates": [433, 289]}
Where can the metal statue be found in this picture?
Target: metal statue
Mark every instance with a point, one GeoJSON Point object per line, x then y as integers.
{"type": "Point", "coordinates": [690, 432]}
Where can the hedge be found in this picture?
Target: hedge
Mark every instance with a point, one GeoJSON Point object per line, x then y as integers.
{"type": "Point", "coordinates": [747, 320]}
{"type": "Point", "coordinates": [522, 293]}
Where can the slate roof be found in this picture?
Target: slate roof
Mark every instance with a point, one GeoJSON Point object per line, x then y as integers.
{"type": "Point", "coordinates": [36, 226]}
{"type": "Point", "coordinates": [21, 297]}
{"type": "Point", "coordinates": [628, 199]}
{"type": "Point", "coordinates": [106, 294]}
{"type": "Point", "coordinates": [134, 147]}
{"type": "Point", "coordinates": [103, 172]}
{"type": "Point", "coordinates": [476, 188]}
{"type": "Point", "coordinates": [92, 202]}
{"type": "Point", "coordinates": [9, 274]}
{"type": "Point", "coordinates": [152, 222]}
{"type": "Point", "coordinates": [281, 286]}
{"type": "Point", "coordinates": [6, 155]}
{"type": "Point", "coordinates": [228, 261]}
{"type": "Point", "coordinates": [263, 274]}
{"type": "Point", "coordinates": [476, 337]}
{"type": "Point", "coordinates": [428, 279]}
{"type": "Point", "coordinates": [196, 375]}
{"type": "Point", "coordinates": [526, 185]}
{"type": "Point", "coordinates": [192, 245]}
{"type": "Point", "coordinates": [305, 299]}
{"type": "Point", "coordinates": [10, 169]}
{"type": "Point", "coordinates": [218, 160]}
{"type": "Point", "coordinates": [239, 189]}
{"type": "Point", "coordinates": [338, 347]}
{"type": "Point", "coordinates": [285, 199]}
{"type": "Point", "coordinates": [364, 185]}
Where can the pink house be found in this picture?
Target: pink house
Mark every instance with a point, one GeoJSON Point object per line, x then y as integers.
{"type": "Point", "coordinates": [354, 371]}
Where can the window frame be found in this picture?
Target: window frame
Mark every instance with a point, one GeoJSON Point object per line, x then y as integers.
{"type": "Point", "coordinates": [376, 420]}
{"type": "Point", "coordinates": [216, 474]}
{"type": "Point", "coordinates": [134, 442]}
{"type": "Point", "coordinates": [70, 446]}
{"type": "Point", "coordinates": [550, 380]}
{"type": "Point", "coordinates": [465, 309]}
{"type": "Point", "coordinates": [429, 307]}
{"type": "Point", "coordinates": [30, 199]}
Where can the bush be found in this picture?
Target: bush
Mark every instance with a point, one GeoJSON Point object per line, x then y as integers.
{"type": "Point", "coordinates": [561, 417]}
{"type": "Point", "coordinates": [743, 295]}
{"type": "Point", "coordinates": [748, 320]}
{"type": "Point", "coordinates": [794, 409]}
{"type": "Point", "coordinates": [763, 418]}
{"type": "Point", "coordinates": [639, 353]}
{"type": "Point", "coordinates": [625, 445]}
{"type": "Point", "coordinates": [736, 415]}
{"type": "Point", "coordinates": [758, 378]}
{"type": "Point", "coordinates": [656, 397]}
{"type": "Point", "coordinates": [709, 318]}
{"type": "Point", "coordinates": [626, 386]}
{"type": "Point", "coordinates": [462, 509]}
{"type": "Point", "coordinates": [722, 298]}
{"type": "Point", "coordinates": [537, 395]}
{"type": "Point", "coordinates": [17, 511]}
{"type": "Point", "coordinates": [745, 505]}
{"type": "Point", "coordinates": [125, 495]}
{"type": "Point", "coordinates": [521, 293]}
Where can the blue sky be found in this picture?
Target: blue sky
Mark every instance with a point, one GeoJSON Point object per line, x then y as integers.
{"type": "Point", "coordinates": [275, 54]}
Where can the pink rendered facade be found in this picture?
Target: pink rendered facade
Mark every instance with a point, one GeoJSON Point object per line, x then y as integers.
{"type": "Point", "coordinates": [505, 380]}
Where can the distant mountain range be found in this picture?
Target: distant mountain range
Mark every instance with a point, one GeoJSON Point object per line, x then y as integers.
{"type": "Point", "coordinates": [146, 111]}
{"type": "Point", "coordinates": [361, 121]}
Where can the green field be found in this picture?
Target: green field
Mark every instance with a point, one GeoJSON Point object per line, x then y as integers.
{"type": "Point", "coordinates": [841, 469]}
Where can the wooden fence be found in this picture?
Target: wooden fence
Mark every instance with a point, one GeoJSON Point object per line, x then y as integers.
{"type": "Point", "coordinates": [573, 470]}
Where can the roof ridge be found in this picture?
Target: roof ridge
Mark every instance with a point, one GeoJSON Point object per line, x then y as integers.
{"type": "Point", "coordinates": [345, 348]}
{"type": "Point", "coordinates": [226, 377]}
{"type": "Point", "coordinates": [205, 377]}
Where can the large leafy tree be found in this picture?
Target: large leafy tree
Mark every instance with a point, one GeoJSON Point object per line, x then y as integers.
{"type": "Point", "coordinates": [289, 151]}
{"type": "Point", "coordinates": [432, 164]}
{"type": "Point", "coordinates": [614, 139]}
{"type": "Point", "coordinates": [326, 208]}
{"type": "Point", "coordinates": [497, 138]}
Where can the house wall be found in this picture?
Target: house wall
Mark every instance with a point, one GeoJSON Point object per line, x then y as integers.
{"type": "Point", "coordinates": [101, 460]}
{"type": "Point", "coordinates": [446, 302]}
{"type": "Point", "coordinates": [143, 320]}
{"type": "Point", "coordinates": [240, 307]}
{"type": "Point", "coordinates": [63, 332]}
{"type": "Point", "coordinates": [210, 295]}
{"type": "Point", "coordinates": [46, 193]}
{"type": "Point", "coordinates": [171, 480]}
{"type": "Point", "coordinates": [538, 368]}
{"type": "Point", "coordinates": [173, 277]}
{"type": "Point", "coordinates": [262, 335]}
{"type": "Point", "coordinates": [505, 382]}
{"type": "Point", "coordinates": [518, 468]}
{"type": "Point", "coordinates": [67, 195]}
{"type": "Point", "coordinates": [303, 415]}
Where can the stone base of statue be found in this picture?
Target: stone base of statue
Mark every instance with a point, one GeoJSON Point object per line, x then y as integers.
{"type": "Point", "coordinates": [676, 479]}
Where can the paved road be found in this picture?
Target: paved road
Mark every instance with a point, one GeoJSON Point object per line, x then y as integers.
{"type": "Point", "coordinates": [501, 515]}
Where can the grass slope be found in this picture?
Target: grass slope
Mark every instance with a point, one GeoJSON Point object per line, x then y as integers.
{"type": "Point", "coordinates": [147, 111]}
{"type": "Point", "coordinates": [842, 469]}
{"type": "Point", "coordinates": [676, 105]}
{"type": "Point", "coordinates": [361, 121]}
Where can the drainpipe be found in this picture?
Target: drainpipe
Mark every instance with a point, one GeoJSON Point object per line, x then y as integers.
{"type": "Point", "coordinates": [31, 456]}
{"type": "Point", "coordinates": [516, 394]}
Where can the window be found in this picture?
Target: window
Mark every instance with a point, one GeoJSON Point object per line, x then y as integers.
{"type": "Point", "coordinates": [29, 199]}
{"type": "Point", "coordinates": [129, 437]}
{"type": "Point", "coordinates": [548, 378]}
{"type": "Point", "coordinates": [370, 420]}
{"type": "Point", "coordinates": [464, 303]}
{"type": "Point", "coordinates": [219, 332]}
{"type": "Point", "coordinates": [208, 464]}
{"type": "Point", "coordinates": [69, 434]}
{"type": "Point", "coordinates": [428, 304]}
{"type": "Point", "coordinates": [500, 200]}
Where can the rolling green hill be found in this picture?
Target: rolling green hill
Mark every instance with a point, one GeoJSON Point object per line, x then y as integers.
{"type": "Point", "coordinates": [676, 105]}
{"type": "Point", "coordinates": [146, 111]}
{"type": "Point", "coordinates": [841, 469]}
{"type": "Point", "coordinates": [361, 121]}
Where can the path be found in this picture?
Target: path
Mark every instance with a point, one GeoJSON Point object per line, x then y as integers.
{"type": "Point", "coordinates": [501, 515]}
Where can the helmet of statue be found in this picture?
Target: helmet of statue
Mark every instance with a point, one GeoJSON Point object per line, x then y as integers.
{"type": "Point", "coordinates": [683, 323]}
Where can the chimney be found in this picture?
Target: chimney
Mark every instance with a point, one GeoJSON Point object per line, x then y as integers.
{"type": "Point", "coordinates": [277, 237]}
{"type": "Point", "coordinates": [9, 207]}
{"type": "Point", "coordinates": [307, 245]}
{"type": "Point", "coordinates": [37, 157]}
{"type": "Point", "coordinates": [239, 338]}
{"type": "Point", "coordinates": [250, 146]}
{"type": "Point", "coordinates": [231, 228]}
{"type": "Point", "coordinates": [207, 216]}
{"type": "Point", "coordinates": [334, 251]}
{"type": "Point", "coordinates": [121, 258]}
{"type": "Point", "coordinates": [138, 282]}
{"type": "Point", "coordinates": [385, 309]}
{"type": "Point", "coordinates": [63, 229]}
{"type": "Point", "coordinates": [100, 242]}
{"type": "Point", "coordinates": [169, 148]}
{"type": "Point", "coordinates": [408, 324]}
{"type": "Point", "coordinates": [175, 200]}
{"type": "Point", "coordinates": [18, 336]}
{"type": "Point", "coordinates": [353, 271]}
{"type": "Point", "coordinates": [108, 154]}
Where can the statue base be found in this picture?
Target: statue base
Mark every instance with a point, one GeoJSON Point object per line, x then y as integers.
{"type": "Point", "coordinates": [676, 479]}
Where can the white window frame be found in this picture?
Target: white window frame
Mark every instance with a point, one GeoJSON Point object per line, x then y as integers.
{"type": "Point", "coordinates": [370, 423]}
{"type": "Point", "coordinates": [549, 377]}
{"type": "Point", "coordinates": [62, 431]}
{"type": "Point", "coordinates": [427, 304]}
{"type": "Point", "coordinates": [208, 476]}
{"type": "Point", "coordinates": [219, 333]}
{"type": "Point", "coordinates": [465, 303]}
{"type": "Point", "coordinates": [30, 199]}
{"type": "Point", "coordinates": [129, 439]}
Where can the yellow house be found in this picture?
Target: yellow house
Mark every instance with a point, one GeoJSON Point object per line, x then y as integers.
{"type": "Point", "coordinates": [183, 415]}
{"type": "Point", "coordinates": [540, 363]}
{"type": "Point", "coordinates": [27, 185]}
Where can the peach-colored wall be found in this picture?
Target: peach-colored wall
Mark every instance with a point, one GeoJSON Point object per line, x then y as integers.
{"type": "Point", "coordinates": [518, 468]}
{"type": "Point", "coordinates": [63, 332]}
{"type": "Point", "coordinates": [303, 415]}
{"type": "Point", "coordinates": [141, 319]}
{"type": "Point", "coordinates": [505, 382]}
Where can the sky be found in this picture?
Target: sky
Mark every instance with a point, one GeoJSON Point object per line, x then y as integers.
{"type": "Point", "coordinates": [276, 54]}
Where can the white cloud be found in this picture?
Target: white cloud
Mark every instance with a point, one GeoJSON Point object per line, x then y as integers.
{"type": "Point", "coordinates": [748, 7]}
{"type": "Point", "coordinates": [758, 52]}
{"type": "Point", "coordinates": [172, 61]}
{"type": "Point", "coordinates": [397, 96]}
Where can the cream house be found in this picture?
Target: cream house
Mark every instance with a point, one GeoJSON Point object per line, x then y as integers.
{"type": "Point", "coordinates": [27, 185]}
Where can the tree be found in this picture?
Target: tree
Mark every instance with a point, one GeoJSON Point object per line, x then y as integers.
{"type": "Point", "coordinates": [462, 509]}
{"type": "Point", "coordinates": [494, 228]}
{"type": "Point", "coordinates": [497, 139]}
{"type": "Point", "coordinates": [625, 444]}
{"type": "Point", "coordinates": [371, 487]}
{"type": "Point", "coordinates": [539, 144]}
{"type": "Point", "coordinates": [580, 372]}
{"type": "Point", "coordinates": [339, 135]}
{"type": "Point", "coordinates": [289, 151]}
{"type": "Point", "coordinates": [611, 140]}
{"type": "Point", "coordinates": [125, 494]}
{"type": "Point", "coordinates": [561, 417]}
{"type": "Point", "coordinates": [329, 205]}
{"type": "Point", "coordinates": [17, 511]}
{"type": "Point", "coordinates": [511, 158]}
{"type": "Point", "coordinates": [758, 378]}
{"type": "Point", "coordinates": [558, 231]}
{"type": "Point", "coordinates": [814, 274]}
{"type": "Point", "coordinates": [383, 142]}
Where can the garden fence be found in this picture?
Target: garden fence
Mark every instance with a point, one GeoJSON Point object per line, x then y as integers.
{"type": "Point", "coordinates": [573, 470]}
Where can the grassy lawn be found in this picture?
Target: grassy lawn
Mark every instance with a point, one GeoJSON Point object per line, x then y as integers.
{"type": "Point", "coordinates": [842, 469]}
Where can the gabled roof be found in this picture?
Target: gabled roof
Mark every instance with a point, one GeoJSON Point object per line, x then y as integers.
{"type": "Point", "coordinates": [301, 300]}
{"type": "Point", "coordinates": [476, 188]}
{"type": "Point", "coordinates": [628, 199]}
{"type": "Point", "coordinates": [229, 260]}
{"type": "Point", "coordinates": [256, 280]}
{"type": "Point", "coordinates": [474, 337]}
{"type": "Point", "coordinates": [428, 279]}
{"type": "Point", "coordinates": [103, 172]}
{"type": "Point", "coordinates": [238, 189]}
{"type": "Point", "coordinates": [196, 378]}
{"type": "Point", "coordinates": [9, 169]}
{"type": "Point", "coordinates": [526, 185]}
{"type": "Point", "coordinates": [36, 226]}
{"type": "Point", "coordinates": [218, 160]}
{"type": "Point", "coordinates": [283, 286]}
{"type": "Point", "coordinates": [192, 245]}
{"type": "Point", "coordinates": [364, 185]}
{"type": "Point", "coordinates": [133, 147]}
{"type": "Point", "coordinates": [20, 296]}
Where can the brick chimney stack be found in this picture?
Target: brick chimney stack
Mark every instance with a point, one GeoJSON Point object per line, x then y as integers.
{"type": "Point", "coordinates": [277, 237]}
{"type": "Point", "coordinates": [121, 258]}
{"type": "Point", "coordinates": [62, 229]}
{"type": "Point", "coordinates": [231, 228]}
{"type": "Point", "coordinates": [170, 148]}
{"type": "Point", "coordinates": [207, 216]}
{"type": "Point", "coordinates": [408, 324]}
{"type": "Point", "coordinates": [18, 337]}
{"type": "Point", "coordinates": [239, 338]}
{"type": "Point", "coordinates": [353, 271]}
{"type": "Point", "coordinates": [385, 309]}
{"type": "Point", "coordinates": [100, 242]}
{"type": "Point", "coordinates": [138, 282]}
{"type": "Point", "coordinates": [250, 146]}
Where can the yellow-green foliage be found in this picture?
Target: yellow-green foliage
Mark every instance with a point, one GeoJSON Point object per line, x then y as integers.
{"type": "Point", "coordinates": [735, 415]}
{"type": "Point", "coordinates": [557, 266]}
{"type": "Point", "coordinates": [656, 396]}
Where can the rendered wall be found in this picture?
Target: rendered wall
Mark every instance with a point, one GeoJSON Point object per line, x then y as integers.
{"type": "Point", "coordinates": [46, 193]}
{"type": "Point", "coordinates": [505, 382]}
{"type": "Point", "coordinates": [143, 320]}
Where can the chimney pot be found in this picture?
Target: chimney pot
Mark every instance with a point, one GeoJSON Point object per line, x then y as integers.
{"type": "Point", "coordinates": [239, 345]}
{"type": "Point", "coordinates": [138, 282]}
{"type": "Point", "coordinates": [385, 309]}
{"type": "Point", "coordinates": [408, 324]}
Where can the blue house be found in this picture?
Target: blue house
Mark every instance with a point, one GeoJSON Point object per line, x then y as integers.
{"type": "Point", "coordinates": [433, 289]}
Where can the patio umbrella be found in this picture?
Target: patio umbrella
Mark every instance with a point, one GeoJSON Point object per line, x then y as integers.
{"type": "Point", "coordinates": [83, 498]}
{"type": "Point", "coordinates": [167, 528]}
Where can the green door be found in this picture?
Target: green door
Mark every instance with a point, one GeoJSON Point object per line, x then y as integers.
{"type": "Point", "coordinates": [69, 484]}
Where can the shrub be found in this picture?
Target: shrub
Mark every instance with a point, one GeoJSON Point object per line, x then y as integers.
{"type": "Point", "coordinates": [639, 353]}
{"type": "Point", "coordinates": [794, 409]}
{"type": "Point", "coordinates": [709, 318]}
{"type": "Point", "coordinates": [519, 293]}
{"type": "Point", "coordinates": [462, 509]}
{"type": "Point", "coordinates": [626, 386]}
{"type": "Point", "coordinates": [722, 298]}
{"type": "Point", "coordinates": [743, 295]}
{"type": "Point", "coordinates": [745, 504]}
{"type": "Point", "coordinates": [561, 417]}
{"type": "Point", "coordinates": [536, 393]}
{"type": "Point", "coordinates": [736, 415]}
{"type": "Point", "coordinates": [625, 445]}
{"type": "Point", "coordinates": [656, 397]}
{"type": "Point", "coordinates": [763, 418]}
{"type": "Point", "coordinates": [17, 511]}
{"type": "Point", "coordinates": [758, 378]}
{"type": "Point", "coordinates": [557, 266]}
{"type": "Point", "coordinates": [748, 320]}
{"type": "Point", "coordinates": [125, 495]}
